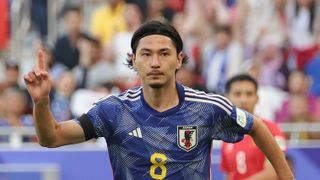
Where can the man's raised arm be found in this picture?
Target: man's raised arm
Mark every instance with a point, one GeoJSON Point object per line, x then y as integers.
{"type": "Point", "coordinates": [49, 132]}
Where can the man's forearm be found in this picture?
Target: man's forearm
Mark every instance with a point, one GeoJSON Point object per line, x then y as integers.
{"type": "Point", "coordinates": [265, 141]}
{"type": "Point", "coordinates": [44, 121]}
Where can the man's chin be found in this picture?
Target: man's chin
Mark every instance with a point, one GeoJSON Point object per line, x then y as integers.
{"type": "Point", "coordinates": [156, 85]}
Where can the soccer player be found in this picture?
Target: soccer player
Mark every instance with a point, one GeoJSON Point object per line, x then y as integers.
{"type": "Point", "coordinates": [161, 130]}
{"type": "Point", "coordinates": [244, 160]}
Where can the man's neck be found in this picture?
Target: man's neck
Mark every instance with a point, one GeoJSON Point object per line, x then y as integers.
{"type": "Point", "coordinates": [161, 99]}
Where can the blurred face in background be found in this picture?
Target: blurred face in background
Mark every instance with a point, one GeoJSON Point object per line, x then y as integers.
{"type": "Point", "coordinates": [298, 83]}
{"type": "Point", "coordinates": [306, 3]}
{"type": "Point", "coordinates": [12, 75]}
{"type": "Point", "coordinates": [66, 84]}
{"type": "Point", "coordinates": [222, 40]}
{"type": "Point", "coordinates": [243, 94]}
{"type": "Point", "coordinates": [298, 107]}
{"type": "Point", "coordinates": [223, 37]}
{"type": "Point", "coordinates": [280, 3]}
{"type": "Point", "coordinates": [90, 52]}
{"type": "Point", "coordinates": [15, 102]}
{"type": "Point", "coordinates": [73, 21]}
{"type": "Point", "coordinates": [133, 15]}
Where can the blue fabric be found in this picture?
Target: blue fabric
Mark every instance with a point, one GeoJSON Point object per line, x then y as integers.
{"type": "Point", "coordinates": [209, 116]}
{"type": "Point", "coordinates": [65, 54]}
{"type": "Point", "coordinates": [312, 70]}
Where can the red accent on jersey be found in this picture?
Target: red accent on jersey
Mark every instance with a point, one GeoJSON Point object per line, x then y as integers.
{"type": "Point", "coordinates": [243, 159]}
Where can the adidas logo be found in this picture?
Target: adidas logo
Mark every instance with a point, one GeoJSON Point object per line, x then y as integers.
{"type": "Point", "coordinates": [136, 133]}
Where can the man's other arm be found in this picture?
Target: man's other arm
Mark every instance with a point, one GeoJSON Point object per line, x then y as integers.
{"type": "Point", "coordinates": [265, 141]}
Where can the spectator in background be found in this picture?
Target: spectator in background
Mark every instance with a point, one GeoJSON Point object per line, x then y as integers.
{"type": "Point", "coordinates": [312, 70]}
{"type": "Point", "coordinates": [244, 160]}
{"type": "Point", "coordinates": [14, 111]}
{"type": "Point", "coordinates": [272, 70]}
{"type": "Point", "coordinates": [91, 70]}
{"type": "Point", "coordinates": [300, 105]}
{"type": "Point", "coordinates": [14, 108]}
{"type": "Point", "coordinates": [158, 10]}
{"type": "Point", "coordinates": [39, 15]}
{"type": "Point", "coordinates": [120, 46]}
{"type": "Point", "coordinates": [108, 20]}
{"type": "Point", "coordinates": [63, 89]}
{"type": "Point", "coordinates": [301, 21]}
{"type": "Point", "coordinates": [256, 19]}
{"type": "Point", "coordinates": [269, 70]}
{"type": "Point", "coordinates": [222, 60]}
{"type": "Point", "coordinates": [11, 76]}
{"type": "Point", "coordinates": [65, 50]}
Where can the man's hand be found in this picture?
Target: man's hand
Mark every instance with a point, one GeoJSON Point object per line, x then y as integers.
{"type": "Point", "coordinates": [38, 82]}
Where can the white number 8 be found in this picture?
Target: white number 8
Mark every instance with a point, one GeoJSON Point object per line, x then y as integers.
{"type": "Point", "coordinates": [241, 162]}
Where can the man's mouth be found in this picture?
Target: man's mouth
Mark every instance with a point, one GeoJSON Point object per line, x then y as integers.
{"type": "Point", "coordinates": [155, 73]}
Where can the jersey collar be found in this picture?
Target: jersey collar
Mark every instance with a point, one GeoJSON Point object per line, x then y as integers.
{"type": "Point", "coordinates": [168, 112]}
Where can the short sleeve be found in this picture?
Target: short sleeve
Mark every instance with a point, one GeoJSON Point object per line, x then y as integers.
{"type": "Point", "coordinates": [100, 117]}
{"type": "Point", "coordinates": [231, 127]}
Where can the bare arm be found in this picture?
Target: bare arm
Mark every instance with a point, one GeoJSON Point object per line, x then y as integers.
{"type": "Point", "coordinates": [53, 134]}
{"type": "Point", "coordinates": [265, 141]}
{"type": "Point", "coordinates": [49, 132]}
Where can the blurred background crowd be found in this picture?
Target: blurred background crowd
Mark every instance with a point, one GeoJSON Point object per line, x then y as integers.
{"type": "Point", "coordinates": [87, 41]}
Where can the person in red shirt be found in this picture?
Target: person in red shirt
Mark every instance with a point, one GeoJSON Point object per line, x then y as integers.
{"type": "Point", "coordinates": [244, 160]}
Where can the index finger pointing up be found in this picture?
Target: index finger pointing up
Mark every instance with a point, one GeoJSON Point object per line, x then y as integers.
{"type": "Point", "coordinates": [41, 59]}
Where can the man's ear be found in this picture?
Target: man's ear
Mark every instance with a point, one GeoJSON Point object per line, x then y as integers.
{"type": "Point", "coordinates": [179, 60]}
{"type": "Point", "coordinates": [133, 59]}
{"type": "Point", "coordinates": [257, 99]}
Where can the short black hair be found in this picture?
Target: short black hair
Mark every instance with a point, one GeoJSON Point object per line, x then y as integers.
{"type": "Point", "coordinates": [153, 28]}
{"type": "Point", "coordinates": [223, 29]}
{"type": "Point", "coordinates": [11, 65]}
{"type": "Point", "coordinates": [91, 39]}
{"type": "Point", "coordinates": [240, 77]}
{"type": "Point", "coordinates": [70, 8]}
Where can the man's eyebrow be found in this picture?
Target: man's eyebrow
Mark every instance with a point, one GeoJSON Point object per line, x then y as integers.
{"type": "Point", "coordinates": [164, 49]}
{"type": "Point", "coordinates": [160, 50]}
{"type": "Point", "coordinates": [145, 49]}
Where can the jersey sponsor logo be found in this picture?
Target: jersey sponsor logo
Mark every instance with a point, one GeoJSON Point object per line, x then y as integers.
{"type": "Point", "coordinates": [241, 118]}
{"type": "Point", "coordinates": [187, 137]}
{"type": "Point", "coordinates": [136, 133]}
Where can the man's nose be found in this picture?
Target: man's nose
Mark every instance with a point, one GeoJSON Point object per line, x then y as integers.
{"type": "Point", "coordinates": [243, 99]}
{"type": "Point", "coordinates": [155, 61]}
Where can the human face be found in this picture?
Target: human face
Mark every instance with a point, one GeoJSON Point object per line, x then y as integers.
{"type": "Point", "coordinates": [156, 61]}
{"type": "Point", "coordinates": [73, 21]}
{"type": "Point", "coordinates": [243, 94]}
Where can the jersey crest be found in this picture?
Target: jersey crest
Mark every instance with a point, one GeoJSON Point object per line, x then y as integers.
{"type": "Point", "coordinates": [187, 137]}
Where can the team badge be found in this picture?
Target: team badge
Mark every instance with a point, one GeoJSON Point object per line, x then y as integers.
{"type": "Point", "coordinates": [187, 137]}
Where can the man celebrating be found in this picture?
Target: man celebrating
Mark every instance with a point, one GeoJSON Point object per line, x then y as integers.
{"type": "Point", "coordinates": [145, 127]}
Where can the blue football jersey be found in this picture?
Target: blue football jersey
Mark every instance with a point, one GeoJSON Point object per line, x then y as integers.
{"type": "Point", "coordinates": [175, 144]}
